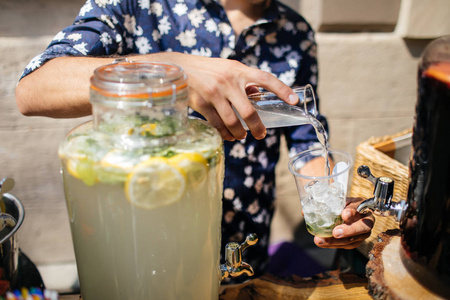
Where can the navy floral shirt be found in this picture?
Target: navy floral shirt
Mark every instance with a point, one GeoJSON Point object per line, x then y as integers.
{"type": "Point", "coordinates": [281, 43]}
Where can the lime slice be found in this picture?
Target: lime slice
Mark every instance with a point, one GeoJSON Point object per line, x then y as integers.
{"type": "Point", "coordinates": [154, 183]}
{"type": "Point", "coordinates": [192, 165]}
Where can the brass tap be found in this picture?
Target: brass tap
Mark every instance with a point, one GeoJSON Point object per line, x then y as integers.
{"type": "Point", "coordinates": [234, 266]}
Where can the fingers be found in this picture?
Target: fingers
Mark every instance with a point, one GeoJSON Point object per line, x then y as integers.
{"type": "Point", "coordinates": [353, 203]}
{"type": "Point", "coordinates": [211, 114]}
{"type": "Point", "coordinates": [216, 121]}
{"type": "Point", "coordinates": [360, 224]}
{"type": "Point", "coordinates": [248, 114]}
{"type": "Point", "coordinates": [343, 243]}
{"type": "Point", "coordinates": [215, 91]}
{"type": "Point", "coordinates": [273, 84]}
{"type": "Point", "coordinates": [253, 77]}
{"type": "Point", "coordinates": [251, 89]}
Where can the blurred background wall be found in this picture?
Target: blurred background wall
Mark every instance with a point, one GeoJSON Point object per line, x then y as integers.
{"type": "Point", "coordinates": [368, 53]}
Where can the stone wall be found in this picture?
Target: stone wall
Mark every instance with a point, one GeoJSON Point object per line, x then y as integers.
{"type": "Point", "coordinates": [28, 148]}
{"type": "Point", "coordinates": [367, 87]}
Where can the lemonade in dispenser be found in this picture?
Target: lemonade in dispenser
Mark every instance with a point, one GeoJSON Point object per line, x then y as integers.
{"type": "Point", "coordinates": [143, 186]}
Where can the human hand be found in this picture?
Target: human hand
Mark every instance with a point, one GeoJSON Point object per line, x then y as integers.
{"type": "Point", "coordinates": [355, 229]}
{"type": "Point", "coordinates": [217, 84]}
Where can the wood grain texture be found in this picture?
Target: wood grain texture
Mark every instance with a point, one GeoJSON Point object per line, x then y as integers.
{"type": "Point", "coordinates": [330, 285]}
{"type": "Point", "coordinates": [390, 278]}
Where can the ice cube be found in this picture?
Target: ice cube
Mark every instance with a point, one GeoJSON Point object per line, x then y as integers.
{"type": "Point", "coordinates": [339, 167]}
{"type": "Point", "coordinates": [336, 205]}
{"type": "Point", "coordinates": [306, 204]}
{"type": "Point", "coordinates": [328, 221]}
{"type": "Point", "coordinates": [322, 207]}
{"type": "Point", "coordinates": [325, 221]}
{"type": "Point", "coordinates": [310, 217]}
{"type": "Point", "coordinates": [337, 189]}
{"type": "Point", "coordinates": [319, 191]}
{"type": "Point", "coordinates": [342, 178]}
{"type": "Point", "coordinates": [310, 185]}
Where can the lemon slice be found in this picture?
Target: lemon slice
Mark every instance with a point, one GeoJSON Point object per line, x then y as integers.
{"type": "Point", "coordinates": [148, 129]}
{"type": "Point", "coordinates": [71, 166]}
{"type": "Point", "coordinates": [82, 169]}
{"type": "Point", "coordinates": [192, 165]}
{"type": "Point", "coordinates": [75, 148]}
{"type": "Point", "coordinates": [80, 154]}
{"type": "Point", "coordinates": [115, 166]}
{"type": "Point", "coordinates": [154, 183]}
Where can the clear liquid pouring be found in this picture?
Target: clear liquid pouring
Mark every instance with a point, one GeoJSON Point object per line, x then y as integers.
{"type": "Point", "coordinates": [277, 113]}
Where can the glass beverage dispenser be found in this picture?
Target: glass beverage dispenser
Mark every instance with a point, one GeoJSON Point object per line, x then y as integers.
{"type": "Point", "coordinates": [425, 215]}
{"type": "Point", "coordinates": [426, 227]}
{"type": "Point", "coordinates": [143, 186]}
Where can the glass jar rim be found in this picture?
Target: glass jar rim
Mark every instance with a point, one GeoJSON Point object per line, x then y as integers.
{"type": "Point", "coordinates": [139, 82]}
{"type": "Point", "coordinates": [318, 152]}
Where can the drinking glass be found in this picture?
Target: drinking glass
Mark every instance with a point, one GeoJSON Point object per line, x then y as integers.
{"type": "Point", "coordinates": [322, 193]}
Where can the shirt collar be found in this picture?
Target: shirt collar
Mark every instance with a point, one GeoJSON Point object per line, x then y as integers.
{"type": "Point", "coordinates": [272, 13]}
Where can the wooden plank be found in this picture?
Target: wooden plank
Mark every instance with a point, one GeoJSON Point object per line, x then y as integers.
{"type": "Point", "coordinates": [330, 285]}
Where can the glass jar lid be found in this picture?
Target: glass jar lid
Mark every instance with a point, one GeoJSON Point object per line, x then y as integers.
{"type": "Point", "coordinates": [138, 84]}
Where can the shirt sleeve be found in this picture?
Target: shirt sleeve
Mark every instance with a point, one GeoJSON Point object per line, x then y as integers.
{"type": "Point", "coordinates": [99, 30]}
{"type": "Point", "coordinates": [300, 138]}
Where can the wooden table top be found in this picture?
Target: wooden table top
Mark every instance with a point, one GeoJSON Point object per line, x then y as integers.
{"type": "Point", "coordinates": [330, 285]}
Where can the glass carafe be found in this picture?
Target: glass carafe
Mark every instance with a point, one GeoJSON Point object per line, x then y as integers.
{"type": "Point", "coordinates": [275, 113]}
{"type": "Point", "coordinates": [143, 186]}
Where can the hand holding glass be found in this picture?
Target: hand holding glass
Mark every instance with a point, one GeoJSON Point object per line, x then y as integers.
{"type": "Point", "coordinates": [276, 113]}
{"type": "Point", "coordinates": [322, 195]}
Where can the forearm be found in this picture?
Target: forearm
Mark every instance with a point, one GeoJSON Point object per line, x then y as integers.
{"type": "Point", "coordinates": [58, 89]}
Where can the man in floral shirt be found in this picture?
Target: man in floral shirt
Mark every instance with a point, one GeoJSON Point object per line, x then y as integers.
{"type": "Point", "coordinates": [227, 48]}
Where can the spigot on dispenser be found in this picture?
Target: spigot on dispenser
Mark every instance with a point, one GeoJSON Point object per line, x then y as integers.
{"type": "Point", "coordinates": [6, 220]}
{"type": "Point", "coordinates": [234, 266]}
{"type": "Point", "coordinates": [381, 203]}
